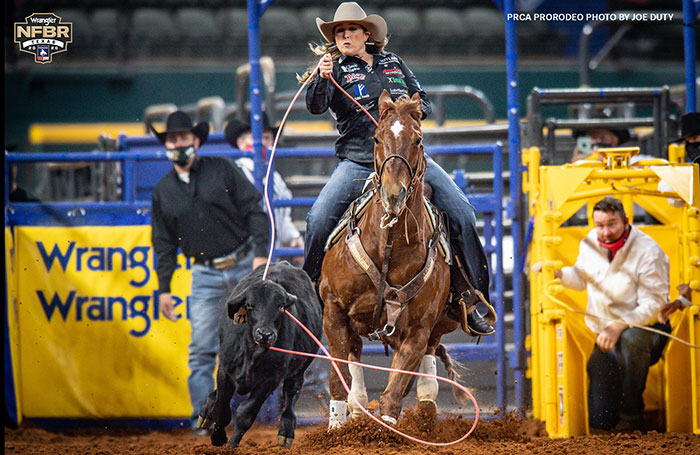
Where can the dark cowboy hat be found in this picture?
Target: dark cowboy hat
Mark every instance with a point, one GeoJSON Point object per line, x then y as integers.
{"type": "Point", "coordinates": [179, 121]}
{"type": "Point", "coordinates": [622, 135]}
{"type": "Point", "coordinates": [236, 127]}
{"type": "Point", "coordinates": [690, 126]}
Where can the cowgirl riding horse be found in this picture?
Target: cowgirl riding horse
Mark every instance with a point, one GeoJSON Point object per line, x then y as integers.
{"type": "Point", "coordinates": [354, 57]}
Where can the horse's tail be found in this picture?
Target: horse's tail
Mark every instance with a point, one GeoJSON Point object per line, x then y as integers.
{"type": "Point", "coordinates": [451, 366]}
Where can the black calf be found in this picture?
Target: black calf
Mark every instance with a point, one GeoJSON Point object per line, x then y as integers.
{"type": "Point", "coordinates": [245, 363]}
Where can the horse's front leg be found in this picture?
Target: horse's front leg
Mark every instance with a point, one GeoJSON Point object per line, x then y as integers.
{"type": "Point", "coordinates": [358, 389]}
{"type": "Point", "coordinates": [336, 326]}
{"type": "Point", "coordinates": [407, 357]}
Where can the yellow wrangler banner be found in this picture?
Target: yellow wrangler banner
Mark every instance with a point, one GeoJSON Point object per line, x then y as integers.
{"type": "Point", "coordinates": [91, 340]}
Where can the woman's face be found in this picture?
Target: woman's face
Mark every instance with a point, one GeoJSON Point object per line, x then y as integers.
{"type": "Point", "coordinates": [351, 38]}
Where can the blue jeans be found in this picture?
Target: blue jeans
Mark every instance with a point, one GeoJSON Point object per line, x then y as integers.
{"type": "Point", "coordinates": [618, 378]}
{"type": "Point", "coordinates": [210, 290]}
{"type": "Point", "coordinates": [345, 185]}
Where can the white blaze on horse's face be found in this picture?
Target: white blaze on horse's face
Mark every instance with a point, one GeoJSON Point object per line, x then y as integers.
{"type": "Point", "coordinates": [396, 128]}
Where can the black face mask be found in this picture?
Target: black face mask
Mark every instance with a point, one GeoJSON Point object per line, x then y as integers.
{"type": "Point", "coordinates": [692, 151]}
{"type": "Point", "coordinates": [180, 155]}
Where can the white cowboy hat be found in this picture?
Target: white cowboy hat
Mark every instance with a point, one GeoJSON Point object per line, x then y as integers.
{"type": "Point", "coordinates": [352, 12]}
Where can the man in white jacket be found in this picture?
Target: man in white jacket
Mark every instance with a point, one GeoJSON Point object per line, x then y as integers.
{"type": "Point", "coordinates": [626, 275]}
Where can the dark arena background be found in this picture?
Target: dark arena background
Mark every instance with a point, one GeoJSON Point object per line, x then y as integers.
{"type": "Point", "coordinates": [91, 367]}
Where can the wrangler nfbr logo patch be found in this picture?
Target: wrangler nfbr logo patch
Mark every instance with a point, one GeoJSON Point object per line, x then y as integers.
{"type": "Point", "coordinates": [43, 34]}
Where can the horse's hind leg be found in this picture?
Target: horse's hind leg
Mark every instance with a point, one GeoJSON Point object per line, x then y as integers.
{"type": "Point", "coordinates": [427, 390]}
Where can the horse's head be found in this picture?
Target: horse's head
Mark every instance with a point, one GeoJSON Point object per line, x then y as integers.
{"type": "Point", "coordinates": [398, 151]}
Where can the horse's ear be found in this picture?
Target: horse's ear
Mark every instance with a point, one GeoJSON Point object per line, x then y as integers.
{"type": "Point", "coordinates": [417, 112]}
{"type": "Point", "coordinates": [384, 102]}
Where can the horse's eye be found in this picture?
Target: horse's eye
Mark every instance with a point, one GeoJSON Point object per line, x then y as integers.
{"type": "Point", "coordinates": [376, 141]}
{"type": "Point", "coordinates": [419, 140]}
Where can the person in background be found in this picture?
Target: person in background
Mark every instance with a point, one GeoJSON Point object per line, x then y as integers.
{"type": "Point", "coordinates": [626, 275]}
{"type": "Point", "coordinates": [690, 136]}
{"type": "Point", "coordinates": [238, 134]}
{"type": "Point", "coordinates": [208, 209]}
{"type": "Point", "coordinates": [18, 193]}
{"type": "Point", "coordinates": [588, 141]}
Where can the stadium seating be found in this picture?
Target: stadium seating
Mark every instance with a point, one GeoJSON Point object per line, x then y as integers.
{"type": "Point", "coordinates": [283, 32]}
{"type": "Point", "coordinates": [233, 22]}
{"type": "Point", "coordinates": [444, 30]}
{"type": "Point", "coordinates": [199, 32]}
{"type": "Point", "coordinates": [406, 28]}
{"type": "Point", "coordinates": [107, 26]}
{"type": "Point", "coordinates": [82, 31]}
{"type": "Point", "coordinates": [185, 28]}
{"type": "Point", "coordinates": [486, 30]}
{"type": "Point", "coordinates": [151, 33]}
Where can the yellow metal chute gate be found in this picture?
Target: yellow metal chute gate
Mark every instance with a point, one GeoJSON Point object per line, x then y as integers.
{"type": "Point", "coordinates": [559, 341]}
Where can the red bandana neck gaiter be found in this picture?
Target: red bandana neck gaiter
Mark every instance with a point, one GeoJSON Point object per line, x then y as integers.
{"type": "Point", "coordinates": [250, 148]}
{"type": "Point", "coordinates": [615, 246]}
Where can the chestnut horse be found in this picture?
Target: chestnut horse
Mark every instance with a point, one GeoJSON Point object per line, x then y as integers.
{"type": "Point", "coordinates": [401, 265]}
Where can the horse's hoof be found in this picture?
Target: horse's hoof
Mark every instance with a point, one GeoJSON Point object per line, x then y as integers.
{"type": "Point", "coordinates": [338, 414]}
{"type": "Point", "coordinates": [426, 413]}
{"type": "Point", "coordinates": [388, 419]}
{"type": "Point", "coordinates": [284, 441]}
{"type": "Point", "coordinates": [218, 437]}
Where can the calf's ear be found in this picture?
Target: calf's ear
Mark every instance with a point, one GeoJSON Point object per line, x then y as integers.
{"type": "Point", "coordinates": [234, 303]}
{"type": "Point", "coordinates": [291, 300]}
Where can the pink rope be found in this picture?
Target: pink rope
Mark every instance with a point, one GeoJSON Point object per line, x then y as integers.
{"type": "Point", "coordinates": [364, 410]}
{"type": "Point", "coordinates": [323, 348]}
{"type": "Point", "coordinates": [269, 169]}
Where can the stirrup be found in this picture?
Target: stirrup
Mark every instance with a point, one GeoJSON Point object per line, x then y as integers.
{"type": "Point", "coordinates": [472, 322]}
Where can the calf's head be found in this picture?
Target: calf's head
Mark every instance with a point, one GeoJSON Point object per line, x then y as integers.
{"type": "Point", "coordinates": [264, 303]}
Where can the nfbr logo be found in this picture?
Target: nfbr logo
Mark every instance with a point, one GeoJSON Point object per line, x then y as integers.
{"type": "Point", "coordinates": [43, 35]}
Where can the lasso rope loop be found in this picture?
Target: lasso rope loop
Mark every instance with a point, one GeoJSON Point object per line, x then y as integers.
{"type": "Point", "coordinates": [334, 362]}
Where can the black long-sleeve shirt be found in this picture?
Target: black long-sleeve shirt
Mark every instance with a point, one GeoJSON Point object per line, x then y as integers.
{"type": "Point", "coordinates": [365, 84]}
{"type": "Point", "coordinates": [207, 218]}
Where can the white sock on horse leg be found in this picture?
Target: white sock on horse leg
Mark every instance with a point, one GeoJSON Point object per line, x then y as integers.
{"type": "Point", "coordinates": [358, 390]}
{"type": "Point", "coordinates": [338, 414]}
{"type": "Point", "coordinates": [427, 388]}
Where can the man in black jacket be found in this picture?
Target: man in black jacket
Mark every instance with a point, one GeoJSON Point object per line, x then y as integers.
{"type": "Point", "coordinates": [206, 207]}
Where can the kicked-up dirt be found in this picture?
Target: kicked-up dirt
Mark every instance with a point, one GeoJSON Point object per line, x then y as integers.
{"type": "Point", "coordinates": [505, 436]}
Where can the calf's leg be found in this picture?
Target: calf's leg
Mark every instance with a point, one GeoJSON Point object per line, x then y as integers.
{"type": "Point", "coordinates": [221, 410]}
{"type": "Point", "coordinates": [288, 419]}
{"type": "Point", "coordinates": [248, 410]}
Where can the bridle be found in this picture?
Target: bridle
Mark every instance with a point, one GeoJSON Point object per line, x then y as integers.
{"type": "Point", "coordinates": [415, 176]}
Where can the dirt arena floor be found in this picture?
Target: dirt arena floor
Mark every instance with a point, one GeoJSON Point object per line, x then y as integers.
{"type": "Point", "coordinates": [506, 436]}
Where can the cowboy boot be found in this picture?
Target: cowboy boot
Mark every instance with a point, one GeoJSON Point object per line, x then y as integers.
{"type": "Point", "coordinates": [478, 325]}
{"type": "Point", "coordinates": [475, 323]}
{"type": "Point", "coordinates": [464, 305]}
